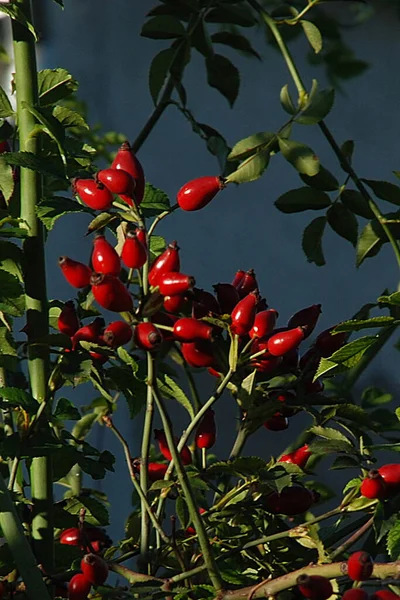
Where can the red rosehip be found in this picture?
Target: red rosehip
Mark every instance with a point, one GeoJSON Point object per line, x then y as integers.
{"type": "Point", "coordinates": [285, 397]}
{"type": "Point", "coordinates": [264, 323]}
{"type": "Point", "coordinates": [111, 293]}
{"type": "Point", "coordinates": [127, 161]}
{"type": "Point", "coordinates": [141, 235]}
{"type": "Point", "coordinates": [227, 296]}
{"type": "Point", "coordinates": [104, 257]}
{"type": "Point", "coordinates": [355, 594]}
{"type": "Point", "coordinates": [384, 595]}
{"type": "Point", "coordinates": [77, 537]}
{"type": "Point", "coordinates": [360, 566]}
{"type": "Point", "coordinates": [93, 194]}
{"type": "Point", "coordinates": [167, 262]}
{"type": "Point", "coordinates": [285, 341]}
{"type": "Point", "coordinates": [161, 438]}
{"type": "Point", "coordinates": [192, 330]}
{"type": "Point", "coordinates": [306, 318]}
{"type": "Point", "coordinates": [68, 321]}
{"type": "Point", "coordinates": [146, 336]}
{"type": "Point", "coordinates": [327, 342]}
{"type": "Point", "coordinates": [117, 333]}
{"type": "Point", "coordinates": [238, 278]}
{"type": "Point", "coordinates": [196, 194]}
{"type": "Point", "coordinates": [156, 471]}
{"type": "Point", "coordinates": [293, 500]}
{"type": "Point", "coordinates": [391, 477]}
{"type": "Point", "coordinates": [198, 354]}
{"type": "Point", "coordinates": [79, 587]}
{"type": "Point", "coordinates": [175, 284]}
{"type": "Point", "coordinates": [298, 457]}
{"type": "Point", "coordinates": [118, 181]}
{"type": "Point", "coordinates": [175, 304]}
{"type": "Point", "coordinates": [277, 422]}
{"type": "Point", "coordinates": [88, 333]}
{"type": "Point", "coordinates": [244, 313]}
{"type": "Point", "coordinates": [94, 568]}
{"type": "Point", "coordinates": [76, 273]}
{"type": "Point", "coordinates": [206, 431]}
{"type": "Point", "coordinates": [247, 284]}
{"type": "Point", "coordinates": [314, 587]}
{"type": "Point", "coordinates": [374, 486]}
{"type": "Point", "coordinates": [134, 253]}
{"type": "Point", "coordinates": [266, 364]}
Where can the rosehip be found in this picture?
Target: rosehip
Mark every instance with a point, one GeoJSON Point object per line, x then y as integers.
{"type": "Point", "coordinates": [118, 181]}
{"type": "Point", "coordinates": [285, 341]}
{"type": "Point", "coordinates": [291, 501]}
{"type": "Point", "coordinates": [285, 397]}
{"type": "Point", "coordinates": [104, 257]}
{"type": "Point", "coordinates": [68, 321]}
{"type": "Point", "coordinates": [134, 253]}
{"type": "Point", "coordinates": [175, 284]}
{"type": "Point", "coordinates": [111, 293]}
{"type": "Point", "coordinates": [146, 336]}
{"type": "Point", "coordinates": [175, 304]}
{"type": "Point", "coordinates": [196, 194]}
{"type": "Point", "coordinates": [327, 343]}
{"type": "Point", "coordinates": [79, 587]}
{"type": "Point", "coordinates": [277, 423]}
{"type": "Point", "coordinates": [191, 330]}
{"type": "Point", "coordinates": [244, 313]}
{"type": "Point", "coordinates": [266, 363]}
{"type": "Point", "coordinates": [161, 438]}
{"type": "Point", "coordinates": [88, 333]}
{"type": "Point", "coordinates": [391, 477]}
{"type": "Point", "coordinates": [198, 354]}
{"type": "Point", "coordinates": [355, 594]}
{"type": "Point", "coordinates": [298, 457]}
{"type": "Point", "coordinates": [360, 566]}
{"type": "Point", "coordinates": [306, 318]}
{"type": "Point", "coordinates": [167, 262]}
{"type": "Point", "coordinates": [264, 323]}
{"type": "Point", "coordinates": [93, 194]}
{"type": "Point", "coordinates": [141, 235]}
{"type": "Point", "coordinates": [247, 284]}
{"type": "Point", "coordinates": [76, 537]}
{"type": "Point", "coordinates": [117, 333]}
{"type": "Point", "coordinates": [206, 431]}
{"type": "Point", "coordinates": [237, 280]}
{"type": "Point", "coordinates": [227, 296]}
{"type": "Point", "coordinates": [374, 486]}
{"type": "Point", "coordinates": [76, 273]}
{"type": "Point", "coordinates": [94, 568]}
{"type": "Point", "coordinates": [127, 161]}
{"type": "Point", "coordinates": [384, 595]}
{"type": "Point", "coordinates": [155, 470]}
{"type": "Point", "coordinates": [314, 587]}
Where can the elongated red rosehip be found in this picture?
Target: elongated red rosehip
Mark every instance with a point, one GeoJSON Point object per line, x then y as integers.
{"type": "Point", "coordinates": [196, 194]}
{"type": "Point", "coordinates": [306, 318]}
{"type": "Point", "coordinates": [355, 594]}
{"type": "Point", "coordinates": [285, 341]}
{"type": "Point", "coordinates": [374, 486]}
{"type": "Point", "coordinates": [247, 284]}
{"type": "Point", "coordinates": [118, 181]}
{"type": "Point", "coordinates": [146, 336]}
{"type": "Point", "coordinates": [68, 321]}
{"type": "Point", "coordinates": [266, 364]}
{"type": "Point", "coordinates": [244, 313]}
{"type": "Point", "coordinates": [167, 262]}
{"type": "Point", "coordinates": [76, 273]}
{"type": "Point", "coordinates": [104, 257]}
{"type": "Point", "coordinates": [155, 470]}
{"type": "Point", "coordinates": [175, 304]}
{"type": "Point", "coordinates": [133, 254]}
{"type": "Point", "coordinates": [77, 537]}
{"type": "Point", "coordinates": [264, 323]}
{"type": "Point", "coordinates": [127, 161]}
{"type": "Point", "coordinates": [117, 333]}
{"type": "Point", "coordinates": [238, 278]}
{"type": "Point", "coordinates": [227, 296]}
{"type": "Point", "coordinates": [175, 284]}
{"type": "Point", "coordinates": [191, 330]}
{"type": "Point", "coordinates": [384, 595]}
{"type": "Point", "coordinates": [79, 587]}
{"type": "Point", "coordinates": [110, 293]}
{"type": "Point", "coordinates": [93, 194]}
{"type": "Point", "coordinates": [391, 476]}
{"type": "Point", "coordinates": [360, 566]}
{"type": "Point", "coordinates": [94, 568]}
{"type": "Point", "coordinates": [161, 438]}
{"type": "Point", "coordinates": [298, 457]}
{"type": "Point", "coordinates": [198, 354]}
{"type": "Point", "coordinates": [88, 333]}
{"type": "Point", "coordinates": [277, 422]}
{"type": "Point", "coordinates": [292, 500]}
{"type": "Point", "coordinates": [314, 587]}
{"type": "Point", "coordinates": [206, 431]}
{"type": "Point", "coordinates": [327, 342]}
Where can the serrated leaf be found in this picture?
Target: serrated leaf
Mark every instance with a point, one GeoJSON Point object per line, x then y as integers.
{"type": "Point", "coordinates": [301, 199]}
{"type": "Point", "coordinates": [17, 397]}
{"type": "Point", "coordinates": [329, 433]}
{"type": "Point", "coordinates": [358, 324]}
{"type": "Point", "coordinates": [393, 542]}
{"type": "Point", "coordinates": [318, 108]}
{"type": "Point", "coordinates": [55, 85]}
{"type": "Point", "coordinates": [159, 70]}
{"type": "Point", "coordinates": [12, 299]}
{"type": "Point", "coordinates": [170, 389]}
{"type": "Point", "coordinates": [329, 446]}
{"type": "Point", "coordinates": [50, 209]}
{"type": "Point", "coordinates": [392, 299]}
{"type": "Point", "coordinates": [96, 513]}
{"type": "Point", "coordinates": [345, 462]}
{"type": "Point", "coordinates": [161, 485]}
{"type": "Point", "coordinates": [17, 14]}
{"type": "Point", "coordinates": [8, 350]}
{"type": "Point", "coordinates": [343, 222]}
{"type": "Point", "coordinates": [313, 35]}
{"type": "Point", "coordinates": [327, 366]}
{"type": "Point", "coordinates": [235, 41]}
{"type": "Point", "coordinates": [223, 76]}
{"type": "Point", "coordinates": [99, 222]}
{"type": "Point", "coordinates": [312, 241]}
{"type": "Point", "coordinates": [6, 180]}
{"type": "Point", "coordinates": [251, 145]}
{"type": "Point", "coordinates": [244, 395]}
{"type": "Point", "coordinates": [373, 396]}
{"type": "Point", "coordinates": [385, 190]}
{"type": "Point", "coordinates": [66, 411]}
{"type": "Point", "coordinates": [6, 110]}
{"type": "Point", "coordinates": [323, 180]}
{"type": "Point", "coordinates": [154, 202]}
{"type": "Point", "coordinates": [351, 353]}
{"type": "Point", "coordinates": [157, 245]}
{"type": "Point", "coordinates": [356, 202]}
{"type": "Point", "coordinates": [43, 165]}
{"type": "Point", "coordinates": [286, 100]}
{"type": "Point", "coordinates": [69, 118]}
{"type": "Point", "coordinates": [369, 243]}
{"type": "Point", "coordinates": [300, 156]}
{"type": "Point", "coordinates": [251, 169]}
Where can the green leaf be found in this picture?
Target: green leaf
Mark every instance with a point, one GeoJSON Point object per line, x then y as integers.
{"type": "Point", "coordinates": [235, 41]}
{"type": "Point", "coordinates": [286, 101]}
{"type": "Point", "coordinates": [43, 165]}
{"type": "Point", "coordinates": [358, 324]}
{"type": "Point", "coordinates": [8, 350]}
{"type": "Point", "coordinates": [244, 395]}
{"type": "Point", "coordinates": [303, 198]}
{"type": "Point", "coordinates": [11, 260]}
{"type": "Point", "coordinates": [102, 220]}
{"type": "Point", "coordinates": [319, 106]}
{"type": "Point", "coordinates": [251, 145]}
{"type": "Point", "coordinates": [327, 366]}
{"type": "Point", "coordinates": [231, 13]}
{"type": "Point", "coordinates": [345, 462]}
{"type": "Point", "coordinates": [323, 180]}
{"type": "Point", "coordinates": [159, 70]}
{"type": "Point", "coordinates": [69, 118]}
{"type": "Point", "coordinates": [163, 28]}
{"type": "Point", "coordinates": [373, 396]}
{"type": "Point", "coordinates": [96, 513]}
{"type": "Point", "coordinates": [223, 76]}
{"type": "Point", "coordinates": [250, 169]}
{"type": "Point", "coordinates": [17, 397]}
{"type": "Point", "coordinates": [157, 245]}
{"type": "Point", "coordinates": [312, 241]}
{"type": "Point", "coordinates": [154, 202]}
{"type": "Point", "coordinates": [343, 222]}
{"type": "Point", "coordinates": [385, 190]}
{"type": "Point", "coordinates": [6, 179]}
{"type": "Point", "coordinates": [6, 110]}
{"type": "Point", "coordinates": [182, 512]}
{"type": "Point", "coordinates": [12, 299]}
{"type": "Point", "coordinates": [369, 243]}
{"type": "Point", "coordinates": [51, 209]}
{"type": "Point", "coordinates": [162, 485]}
{"type": "Point", "coordinates": [55, 85]}
{"type": "Point", "coordinates": [313, 35]}
{"type": "Point", "coordinates": [329, 434]}
{"type": "Point", "coordinates": [300, 156]}
{"type": "Point", "coordinates": [392, 299]}
{"type": "Point", "coordinates": [50, 126]}
{"type": "Point", "coordinates": [200, 39]}
{"type": "Point", "coordinates": [356, 202]}
{"type": "Point", "coordinates": [352, 352]}
{"type": "Point", "coordinates": [170, 389]}
{"type": "Point", "coordinates": [327, 446]}
{"type": "Point", "coordinates": [393, 542]}
{"type": "Point", "coordinates": [17, 14]}
{"type": "Point", "coordinates": [66, 411]}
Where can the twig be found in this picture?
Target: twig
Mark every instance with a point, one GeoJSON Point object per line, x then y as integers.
{"type": "Point", "coordinates": [352, 539]}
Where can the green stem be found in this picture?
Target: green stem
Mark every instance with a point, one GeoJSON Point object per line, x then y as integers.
{"type": "Point", "coordinates": [132, 576]}
{"type": "Point", "coordinates": [35, 279]}
{"type": "Point", "coordinates": [240, 441]}
{"type": "Point", "coordinates": [352, 539]}
{"type": "Point", "coordinates": [20, 548]}
{"type": "Point", "coordinates": [160, 217]}
{"type": "Point", "coordinates": [193, 508]}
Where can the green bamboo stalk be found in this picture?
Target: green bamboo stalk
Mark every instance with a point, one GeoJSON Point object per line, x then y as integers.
{"type": "Point", "coordinates": [20, 548]}
{"type": "Point", "coordinates": [34, 277]}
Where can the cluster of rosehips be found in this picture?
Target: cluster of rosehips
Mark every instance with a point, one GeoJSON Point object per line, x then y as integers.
{"type": "Point", "coordinates": [381, 483]}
